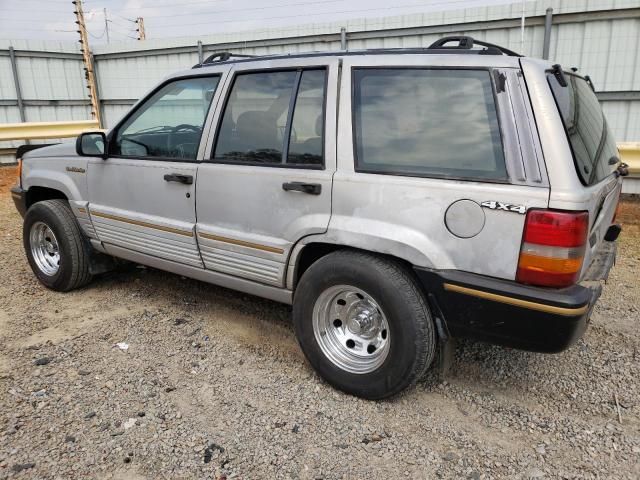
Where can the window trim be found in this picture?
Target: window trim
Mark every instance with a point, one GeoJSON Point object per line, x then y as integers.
{"type": "Point", "coordinates": [294, 99]}
{"type": "Point", "coordinates": [356, 162]}
{"type": "Point", "coordinates": [548, 75]}
{"type": "Point", "coordinates": [113, 133]}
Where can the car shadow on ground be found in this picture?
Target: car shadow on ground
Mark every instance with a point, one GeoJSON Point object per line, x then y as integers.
{"type": "Point", "coordinates": [474, 362]}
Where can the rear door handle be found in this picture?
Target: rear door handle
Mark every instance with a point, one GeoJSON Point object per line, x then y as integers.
{"type": "Point", "coordinates": [177, 177]}
{"type": "Point", "coordinates": [310, 188]}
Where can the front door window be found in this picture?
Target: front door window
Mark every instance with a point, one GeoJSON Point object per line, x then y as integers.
{"type": "Point", "coordinates": [169, 124]}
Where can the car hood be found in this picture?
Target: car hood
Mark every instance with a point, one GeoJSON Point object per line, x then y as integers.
{"type": "Point", "coordinates": [66, 149]}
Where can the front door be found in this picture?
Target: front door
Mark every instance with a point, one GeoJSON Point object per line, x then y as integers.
{"type": "Point", "coordinates": [142, 198]}
{"type": "Point", "coordinates": [267, 180]}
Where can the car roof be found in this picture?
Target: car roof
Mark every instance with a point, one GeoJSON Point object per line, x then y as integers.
{"type": "Point", "coordinates": [467, 51]}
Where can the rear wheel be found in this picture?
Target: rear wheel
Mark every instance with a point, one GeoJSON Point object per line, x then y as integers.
{"type": "Point", "coordinates": [56, 249]}
{"type": "Point", "coordinates": [364, 324]}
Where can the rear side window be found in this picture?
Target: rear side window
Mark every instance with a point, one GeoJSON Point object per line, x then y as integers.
{"type": "Point", "coordinates": [427, 122]}
{"type": "Point", "coordinates": [594, 150]}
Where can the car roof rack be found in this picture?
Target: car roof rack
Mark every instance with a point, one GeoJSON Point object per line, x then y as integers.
{"type": "Point", "coordinates": [216, 57]}
{"type": "Point", "coordinates": [467, 43]}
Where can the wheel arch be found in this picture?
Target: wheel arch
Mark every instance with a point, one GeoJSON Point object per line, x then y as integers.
{"type": "Point", "coordinates": [49, 180]}
{"type": "Point", "coordinates": [38, 194]}
{"type": "Point", "coordinates": [306, 254]}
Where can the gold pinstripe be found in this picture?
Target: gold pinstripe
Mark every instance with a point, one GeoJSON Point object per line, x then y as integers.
{"type": "Point", "coordinates": [186, 233]}
{"type": "Point", "coordinates": [541, 307]}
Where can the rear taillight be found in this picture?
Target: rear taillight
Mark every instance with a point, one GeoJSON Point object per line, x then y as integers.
{"type": "Point", "coordinates": [553, 247]}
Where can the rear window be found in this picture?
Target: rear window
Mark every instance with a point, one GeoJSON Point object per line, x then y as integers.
{"type": "Point", "coordinates": [427, 122]}
{"type": "Point", "coordinates": [594, 150]}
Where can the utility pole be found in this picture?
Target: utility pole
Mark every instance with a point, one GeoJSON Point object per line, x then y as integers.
{"type": "Point", "coordinates": [141, 33]}
{"type": "Point", "coordinates": [86, 60]}
{"type": "Point", "coordinates": [106, 24]}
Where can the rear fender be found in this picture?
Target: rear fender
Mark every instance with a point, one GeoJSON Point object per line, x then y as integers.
{"type": "Point", "coordinates": [377, 237]}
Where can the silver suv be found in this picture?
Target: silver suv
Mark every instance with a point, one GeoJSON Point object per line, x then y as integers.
{"type": "Point", "coordinates": [396, 198]}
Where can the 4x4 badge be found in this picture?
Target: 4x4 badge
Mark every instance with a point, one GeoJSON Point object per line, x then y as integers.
{"type": "Point", "coordinates": [507, 207]}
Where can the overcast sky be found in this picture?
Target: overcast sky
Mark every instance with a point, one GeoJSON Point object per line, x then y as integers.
{"type": "Point", "coordinates": [54, 19]}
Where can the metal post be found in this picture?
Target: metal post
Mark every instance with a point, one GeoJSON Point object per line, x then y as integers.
{"type": "Point", "coordinates": [141, 32]}
{"type": "Point", "coordinates": [96, 81]}
{"type": "Point", "coordinates": [16, 82]}
{"type": "Point", "coordinates": [200, 52]}
{"type": "Point", "coordinates": [106, 24]}
{"type": "Point", "coordinates": [548, 22]}
{"type": "Point", "coordinates": [343, 38]}
{"type": "Point", "coordinates": [86, 60]}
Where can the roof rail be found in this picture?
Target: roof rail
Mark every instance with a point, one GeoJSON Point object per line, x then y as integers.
{"type": "Point", "coordinates": [220, 57]}
{"type": "Point", "coordinates": [467, 43]}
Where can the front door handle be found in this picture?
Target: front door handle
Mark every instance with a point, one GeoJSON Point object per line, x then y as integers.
{"type": "Point", "coordinates": [177, 177]}
{"type": "Point", "coordinates": [310, 188]}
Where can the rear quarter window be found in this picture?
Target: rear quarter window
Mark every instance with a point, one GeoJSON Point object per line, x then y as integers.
{"type": "Point", "coordinates": [427, 122]}
{"type": "Point", "coordinates": [594, 149]}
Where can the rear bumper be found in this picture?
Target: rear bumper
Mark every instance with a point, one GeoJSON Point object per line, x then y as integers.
{"type": "Point", "coordinates": [510, 314]}
{"type": "Point", "coordinates": [19, 197]}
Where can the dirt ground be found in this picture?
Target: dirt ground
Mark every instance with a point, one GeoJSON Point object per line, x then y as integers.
{"type": "Point", "coordinates": [213, 385]}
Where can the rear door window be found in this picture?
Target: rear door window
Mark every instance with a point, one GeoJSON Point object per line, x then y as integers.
{"type": "Point", "coordinates": [427, 122]}
{"type": "Point", "coordinates": [274, 118]}
{"type": "Point", "coordinates": [595, 153]}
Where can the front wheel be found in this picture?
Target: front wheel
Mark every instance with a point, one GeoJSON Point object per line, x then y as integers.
{"type": "Point", "coordinates": [364, 324]}
{"type": "Point", "coordinates": [55, 247]}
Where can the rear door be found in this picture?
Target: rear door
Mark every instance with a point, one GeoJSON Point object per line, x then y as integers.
{"type": "Point", "coordinates": [266, 181]}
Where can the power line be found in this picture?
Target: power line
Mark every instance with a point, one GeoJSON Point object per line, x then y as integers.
{"type": "Point", "coordinates": [124, 18]}
{"type": "Point", "coordinates": [119, 25]}
{"type": "Point", "coordinates": [247, 9]}
{"type": "Point", "coordinates": [266, 7]}
{"type": "Point", "coordinates": [173, 25]}
{"type": "Point", "coordinates": [31, 20]}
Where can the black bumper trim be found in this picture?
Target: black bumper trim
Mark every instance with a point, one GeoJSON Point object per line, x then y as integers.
{"type": "Point", "coordinates": [541, 307]}
{"type": "Point", "coordinates": [507, 313]}
{"type": "Point", "coordinates": [19, 197]}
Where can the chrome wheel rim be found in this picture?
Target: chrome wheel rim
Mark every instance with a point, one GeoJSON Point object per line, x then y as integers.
{"type": "Point", "coordinates": [351, 329]}
{"type": "Point", "coordinates": [44, 248]}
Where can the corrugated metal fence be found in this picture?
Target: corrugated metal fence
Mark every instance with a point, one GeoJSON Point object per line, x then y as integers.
{"type": "Point", "coordinates": [41, 81]}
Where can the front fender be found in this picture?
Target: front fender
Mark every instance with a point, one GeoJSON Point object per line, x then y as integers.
{"type": "Point", "coordinates": [66, 176]}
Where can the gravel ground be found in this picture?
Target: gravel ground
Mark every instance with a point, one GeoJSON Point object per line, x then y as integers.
{"type": "Point", "coordinates": [213, 385]}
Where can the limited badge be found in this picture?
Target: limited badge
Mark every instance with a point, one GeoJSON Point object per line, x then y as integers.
{"type": "Point", "coordinates": [507, 207]}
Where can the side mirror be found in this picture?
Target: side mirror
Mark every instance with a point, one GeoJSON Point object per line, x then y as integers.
{"type": "Point", "coordinates": [92, 144]}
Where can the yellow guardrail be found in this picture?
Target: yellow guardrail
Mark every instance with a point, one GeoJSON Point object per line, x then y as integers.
{"type": "Point", "coordinates": [630, 153]}
{"type": "Point", "coordinates": [42, 130]}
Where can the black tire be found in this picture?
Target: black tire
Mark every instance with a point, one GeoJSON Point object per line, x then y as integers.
{"type": "Point", "coordinates": [412, 333]}
{"type": "Point", "coordinates": [73, 267]}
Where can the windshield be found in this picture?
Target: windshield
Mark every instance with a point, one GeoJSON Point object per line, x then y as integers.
{"type": "Point", "coordinates": [594, 150]}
